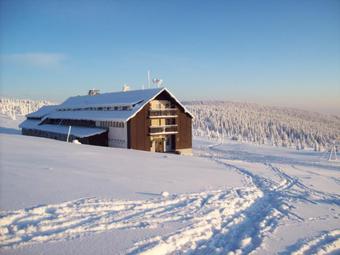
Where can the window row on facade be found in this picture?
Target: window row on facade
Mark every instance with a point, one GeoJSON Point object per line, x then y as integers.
{"type": "Point", "coordinates": [68, 122]}
{"type": "Point", "coordinates": [100, 108]}
{"type": "Point", "coordinates": [116, 124]}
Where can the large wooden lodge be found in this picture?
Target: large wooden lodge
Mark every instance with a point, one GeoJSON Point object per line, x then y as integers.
{"type": "Point", "coordinates": [150, 120]}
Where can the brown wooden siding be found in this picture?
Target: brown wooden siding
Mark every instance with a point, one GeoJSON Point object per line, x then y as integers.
{"type": "Point", "coordinates": [138, 127]}
{"type": "Point", "coordinates": [138, 130]}
{"type": "Point", "coordinates": [184, 136]}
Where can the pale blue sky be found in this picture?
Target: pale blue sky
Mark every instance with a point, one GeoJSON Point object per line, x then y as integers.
{"type": "Point", "coordinates": [271, 52]}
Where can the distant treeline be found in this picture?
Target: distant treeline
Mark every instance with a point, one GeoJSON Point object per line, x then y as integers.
{"type": "Point", "coordinates": [260, 124]}
{"type": "Point", "coordinates": [13, 107]}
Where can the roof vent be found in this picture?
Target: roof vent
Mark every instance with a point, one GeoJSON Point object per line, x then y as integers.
{"type": "Point", "coordinates": [126, 87]}
{"type": "Point", "coordinates": [93, 92]}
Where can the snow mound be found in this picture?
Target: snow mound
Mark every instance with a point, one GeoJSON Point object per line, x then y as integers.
{"type": "Point", "coordinates": [165, 194]}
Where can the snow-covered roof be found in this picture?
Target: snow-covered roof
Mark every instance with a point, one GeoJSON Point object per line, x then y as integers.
{"type": "Point", "coordinates": [79, 132]}
{"type": "Point", "coordinates": [92, 115]}
{"type": "Point", "coordinates": [109, 99]}
{"type": "Point", "coordinates": [42, 111]}
{"type": "Point", "coordinates": [78, 107]}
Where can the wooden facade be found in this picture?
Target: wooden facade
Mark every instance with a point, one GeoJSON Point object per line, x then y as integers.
{"type": "Point", "coordinates": [138, 130]}
{"type": "Point", "coordinates": [139, 125]}
{"type": "Point", "coordinates": [184, 136]}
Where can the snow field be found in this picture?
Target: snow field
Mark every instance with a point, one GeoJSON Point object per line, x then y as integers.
{"type": "Point", "coordinates": [240, 220]}
{"type": "Point", "coordinates": [228, 199]}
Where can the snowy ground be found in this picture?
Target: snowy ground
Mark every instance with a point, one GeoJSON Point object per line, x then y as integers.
{"type": "Point", "coordinates": [59, 198]}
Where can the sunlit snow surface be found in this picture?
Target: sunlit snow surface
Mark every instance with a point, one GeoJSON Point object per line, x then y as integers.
{"type": "Point", "coordinates": [59, 198]}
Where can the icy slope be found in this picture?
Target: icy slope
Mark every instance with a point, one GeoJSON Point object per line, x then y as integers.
{"type": "Point", "coordinates": [39, 170]}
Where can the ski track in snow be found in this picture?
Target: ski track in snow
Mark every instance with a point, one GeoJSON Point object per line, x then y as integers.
{"type": "Point", "coordinates": [245, 230]}
{"type": "Point", "coordinates": [229, 221]}
{"type": "Point", "coordinates": [325, 243]}
{"type": "Point", "coordinates": [90, 215]}
{"type": "Point", "coordinates": [279, 197]}
{"type": "Point", "coordinates": [239, 233]}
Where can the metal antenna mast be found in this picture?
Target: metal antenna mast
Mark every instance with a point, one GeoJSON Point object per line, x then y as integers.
{"type": "Point", "coordinates": [149, 79]}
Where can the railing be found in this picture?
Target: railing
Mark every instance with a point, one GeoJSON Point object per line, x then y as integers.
{"type": "Point", "coordinates": [168, 129]}
{"type": "Point", "coordinates": [158, 113]}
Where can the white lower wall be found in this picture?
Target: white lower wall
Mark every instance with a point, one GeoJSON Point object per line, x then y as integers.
{"type": "Point", "coordinates": [117, 137]}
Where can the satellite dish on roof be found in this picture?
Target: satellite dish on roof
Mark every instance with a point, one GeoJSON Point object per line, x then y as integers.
{"type": "Point", "coordinates": [126, 87]}
{"type": "Point", "coordinates": [157, 81]}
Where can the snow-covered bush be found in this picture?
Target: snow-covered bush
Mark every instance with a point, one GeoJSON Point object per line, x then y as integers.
{"type": "Point", "coordinates": [277, 126]}
{"type": "Point", "coordinates": [165, 194]}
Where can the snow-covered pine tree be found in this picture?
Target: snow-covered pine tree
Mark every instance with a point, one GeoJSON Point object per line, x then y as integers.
{"type": "Point", "coordinates": [264, 125]}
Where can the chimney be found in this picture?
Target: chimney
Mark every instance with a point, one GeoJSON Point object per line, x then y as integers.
{"type": "Point", "coordinates": [93, 92]}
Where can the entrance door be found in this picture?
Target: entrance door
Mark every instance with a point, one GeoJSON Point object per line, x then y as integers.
{"type": "Point", "coordinates": [159, 144]}
{"type": "Point", "coordinates": [168, 142]}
